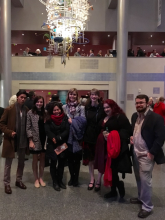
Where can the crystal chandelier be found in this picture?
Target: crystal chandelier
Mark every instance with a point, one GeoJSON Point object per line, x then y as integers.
{"type": "Point", "coordinates": [66, 18]}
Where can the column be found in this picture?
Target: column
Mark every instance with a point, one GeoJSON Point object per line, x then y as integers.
{"type": "Point", "coordinates": [122, 42]}
{"type": "Point", "coordinates": [5, 51]}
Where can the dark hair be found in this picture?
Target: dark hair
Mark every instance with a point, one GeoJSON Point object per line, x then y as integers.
{"type": "Point", "coordinates": [31, 94]}
{"type": "Point", "coordinates": [50, 110]}
{"type": "Point", "coordinates": [141, 96]}
{"type": "Point", "coordinates": [92, 50]}
{"type": "Point", "coordinates": [114, 106]}
{"type": "Point", "coordinates": [161, 99]}
{"type": "Point", "coordinates": [20, 92]}
{"type": "Point", "coordinates": [55, 98]}
{"type": "Point", "coordinates": [34, 108]}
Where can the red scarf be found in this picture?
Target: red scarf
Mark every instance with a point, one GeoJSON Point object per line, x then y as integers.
{"type": "Point", "coordinates": [57, 119]}
{"type": "Point", "coordinates": [113, 150]}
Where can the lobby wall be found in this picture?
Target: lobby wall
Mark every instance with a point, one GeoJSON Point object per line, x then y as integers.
{"type": "Point", "coordinates": [144, 75]}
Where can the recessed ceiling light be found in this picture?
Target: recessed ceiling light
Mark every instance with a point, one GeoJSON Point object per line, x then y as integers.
{"type": "Point", "coordinates": [108, 35]}
{"type": "Point", "coordinates": [151, 45]}
{"type": "Point", "coordinates": [42, 13]}
{"type": "Point", "coordinates": [20, 49]}
{"type": "Point", "coordinates": [84, 45]}
{"type": "Point", "coordinates": [144, 50]}
{"type": "Point", "coordinates": [151, 35]}
{"type": "Point", "coordinates": [163, 42]}
{"type": "Point", "coordinates": [22, 34]}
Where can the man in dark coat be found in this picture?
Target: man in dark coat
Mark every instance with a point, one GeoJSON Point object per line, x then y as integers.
{"type": "Point", "coordinates": [147, 141]}
{"type": "Point", "coordinates": [30, 99]}
{"type": "Point", "coordinates": [13, 125]}
{"type": "Point", "coordinates": [1, 113]}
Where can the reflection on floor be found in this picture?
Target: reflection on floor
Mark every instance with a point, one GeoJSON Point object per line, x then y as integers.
{"type": "Point", "coordinates": [74, 203]}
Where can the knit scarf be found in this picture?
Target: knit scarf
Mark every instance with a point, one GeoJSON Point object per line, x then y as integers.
{"type": "Point", "coordinates": [72, 107]}
{"type": "Point", "coordinates": [57, 119]}
{"type": "Point", "coordinates": [21, 126]}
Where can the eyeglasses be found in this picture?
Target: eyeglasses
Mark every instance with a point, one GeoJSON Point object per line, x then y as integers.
{"type": "Point", "coordinates": [139, 103]}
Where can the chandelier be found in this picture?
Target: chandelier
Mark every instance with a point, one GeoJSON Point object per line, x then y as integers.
{"type": "Point", "coordinates": [67, 18]}
{"type": "Point", "coordinates": [66, 22]}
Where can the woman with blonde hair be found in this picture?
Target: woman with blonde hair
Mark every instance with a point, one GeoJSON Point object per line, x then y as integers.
{"type": "Point", "coordinates": [76, 118]}
{"type": "Point", "coordinates": [94, 113]}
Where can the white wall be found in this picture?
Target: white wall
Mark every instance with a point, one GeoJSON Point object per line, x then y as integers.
{"type": "Point", "coordinates": [143, 73]}
{"type": "Point", "coordinates": [142, 16]}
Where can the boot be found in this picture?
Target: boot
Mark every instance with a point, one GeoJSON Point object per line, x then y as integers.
{"type": "Point", "coordinates": [71, 170]}
{"type": "Point", "coordinates": [76, 177]}
{"type": "Point", "coordinates": [56, 186]}
{"type": "Point", "coordinates": [111, 194]}
{"type": "Point", "coordinates": [121, 189]}
{"type": "Point", "coordinates": [62, 185]}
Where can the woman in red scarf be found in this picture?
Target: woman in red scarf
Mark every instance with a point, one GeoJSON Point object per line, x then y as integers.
{"type": "Point", "coordinates": [57, 131]}
{"type": "Point", "coordinates": [115, 121]}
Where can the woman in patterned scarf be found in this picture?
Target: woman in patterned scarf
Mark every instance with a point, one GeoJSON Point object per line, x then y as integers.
{"type": "Point", "coordinates": [73, 109]}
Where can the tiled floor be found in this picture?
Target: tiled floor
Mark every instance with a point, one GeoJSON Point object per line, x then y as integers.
{"type": "Point", "coordinates": [74, 203]}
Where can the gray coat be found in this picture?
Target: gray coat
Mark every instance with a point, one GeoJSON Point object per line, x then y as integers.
{"type": "Point", "coordinates": [32, 130]}
{"type": "Point", "coordinates": [80, 111]}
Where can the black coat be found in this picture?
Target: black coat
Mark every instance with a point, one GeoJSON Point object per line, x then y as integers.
{"type": "Point", "coordinates": [1, 113]}
{"type": "Point", "coordinates": [60, 133]}
{"type": "Point", "coordinates": [153, 133]}
{"type": "Point", "coordinates": [121, 124]}
{"type": "Point", "coordinates": [93, 116]}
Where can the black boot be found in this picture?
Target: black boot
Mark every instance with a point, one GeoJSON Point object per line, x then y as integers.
{"type": "Point", "coordinates": [111, 194]}
{"type": "Point", "coordinates": [62, 185]}
{"type": "Point", "coordinates": [76, 177]}
{"type": "Point", "coordinates": [56, 186]}
{"type": "Point", "coordinates": [121, 189]}
{"type": "Point", "coordinates": [71, 170]}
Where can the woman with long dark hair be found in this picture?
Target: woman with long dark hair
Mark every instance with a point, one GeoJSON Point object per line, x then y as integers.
{"type": "Point", "coordinates": [115, 120]}
{"type": "Point", "coordinates": [57, 131]}
{"type": "Point", "coordinates": [76, 118]}
{"type": "Point", "coordinates": [94, 113]}
{"type": "Point", "coordinates": [36, 134]}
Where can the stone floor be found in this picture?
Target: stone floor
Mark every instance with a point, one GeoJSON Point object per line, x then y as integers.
{"type": "Point", "coordinates": [74, 203]}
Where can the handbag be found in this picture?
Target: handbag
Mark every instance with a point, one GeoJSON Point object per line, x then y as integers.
{"type": "Point", "coordinates": [61, 148]}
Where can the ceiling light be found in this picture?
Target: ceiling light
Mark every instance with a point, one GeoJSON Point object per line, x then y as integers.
{"type": "Point", "coordinates": [163, 42]}
{"type": "Point", "coordinates": [20, 49]}
{"type": "Point", "coordinates": [151, 45]}
{"type": "Point", "coordinates": [151, 35]}
{"type": "Point", "coordinates": [22, 34]}
{"type": "Point", "coordinates": [108, 35]}
{"type": "Point", "coordinates": [144, 50]}
{"type": "Point", "coordinates": [42, 13]}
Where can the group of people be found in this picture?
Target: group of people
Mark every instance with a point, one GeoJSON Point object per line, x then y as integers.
{"type": "Point", "coordinates": [110, 53]}
{"type": "Point", "coordinates": [99, 133]}
{"type": "Point", "coordinates": [28, 53]}
{"type": "Point", "coordinates": [142, 53]}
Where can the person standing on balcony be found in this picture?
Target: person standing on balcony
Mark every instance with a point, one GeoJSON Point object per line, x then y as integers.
{"type": "Point", "coordinates": [91, 53]}
{"type": "Point", "coordinates": [77, 54]}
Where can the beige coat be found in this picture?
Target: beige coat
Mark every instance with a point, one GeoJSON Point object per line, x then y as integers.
{"type": "Point", "coordinates": [7, 126]}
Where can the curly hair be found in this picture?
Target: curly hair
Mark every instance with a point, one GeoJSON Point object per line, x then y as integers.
{"type": "Point", "coordinates": [114, 106]}
{"type": "Point", "coordinates": [34, 108]}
